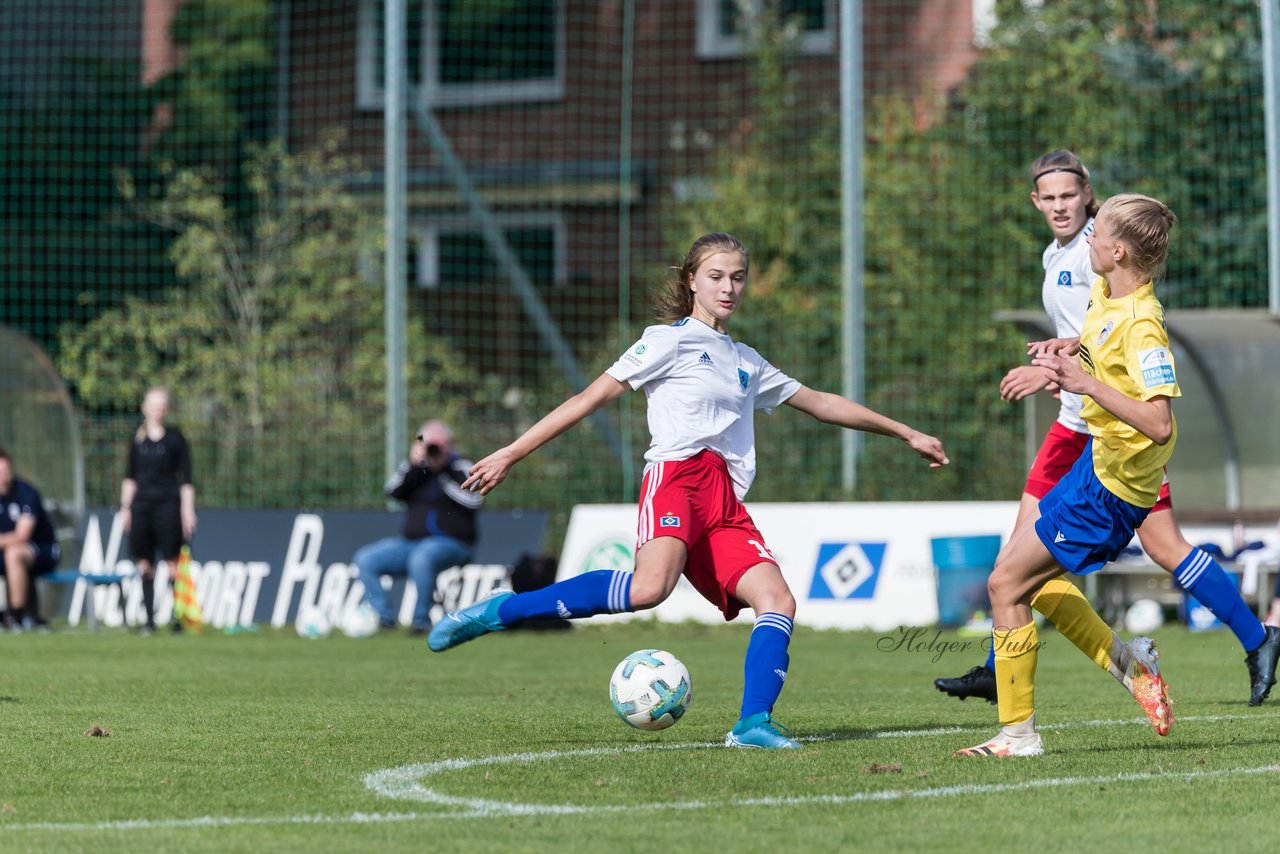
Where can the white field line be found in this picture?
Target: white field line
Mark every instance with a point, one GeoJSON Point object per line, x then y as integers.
{"type": "Point", "coordinates": [404, 783]}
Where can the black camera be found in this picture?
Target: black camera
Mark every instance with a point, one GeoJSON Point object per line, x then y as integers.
{"type": "Point", "coordinates": [433, 450]}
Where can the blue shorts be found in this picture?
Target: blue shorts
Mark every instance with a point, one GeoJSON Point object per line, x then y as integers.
{"type": "Point", "coordinates": [1082, 523]}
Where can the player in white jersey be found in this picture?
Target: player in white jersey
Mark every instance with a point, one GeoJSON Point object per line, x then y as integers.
{"type": "Point", "coordinates": [703, 389]}
{"type": "Point", "coordinates": [1062, 191]}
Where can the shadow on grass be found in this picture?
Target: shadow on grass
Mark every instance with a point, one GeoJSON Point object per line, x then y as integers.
{"type": "Point", "coordinates": [918, 730]}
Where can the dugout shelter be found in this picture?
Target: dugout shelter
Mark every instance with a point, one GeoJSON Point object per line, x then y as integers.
{"type": "Point", "coordinates": [1227, 462]}
{"type": "Point", "coordinates": [40, 430]}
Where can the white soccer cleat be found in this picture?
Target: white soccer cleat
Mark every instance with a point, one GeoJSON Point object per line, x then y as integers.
{"type": "Point", "coordinates": [1007, 745]}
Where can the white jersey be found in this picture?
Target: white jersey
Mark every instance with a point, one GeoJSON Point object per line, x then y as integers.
{"type": "Point", "coordinates": [703, 389]}
{"type": "Point", "coordinates": [1067, 280]}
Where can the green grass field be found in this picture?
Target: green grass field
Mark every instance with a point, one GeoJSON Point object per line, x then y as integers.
{"type": "Point", "coordinates": [268, 742]}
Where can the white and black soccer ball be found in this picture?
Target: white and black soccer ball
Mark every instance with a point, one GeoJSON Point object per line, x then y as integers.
{"type": "Point", "coordinates": [1144, 617]}
{"type": "Point", "coordinates": [360, 622]}
{"type": "Point", "coordinates": [650, 689]}
{"type": "Point", "coordinates": [312, 622]}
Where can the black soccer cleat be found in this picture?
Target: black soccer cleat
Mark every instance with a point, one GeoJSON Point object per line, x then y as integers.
{"type": "Point", "coordinates": [979, 682]}
{"type": "Point", "coordinates": [1262, 666]}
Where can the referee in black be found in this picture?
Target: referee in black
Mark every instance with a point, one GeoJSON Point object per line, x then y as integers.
{"type": "Point", "coordinates": [157, 500]}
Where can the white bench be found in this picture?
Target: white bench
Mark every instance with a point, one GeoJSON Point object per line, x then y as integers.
{"type": "Point", "coordinates": [1113, 589]}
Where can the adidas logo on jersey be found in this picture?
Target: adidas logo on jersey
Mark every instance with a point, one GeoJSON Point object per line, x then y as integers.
{"type": "Point", "coordinates": [704, 359]}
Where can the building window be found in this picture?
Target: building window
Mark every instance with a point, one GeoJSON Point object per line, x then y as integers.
{"type": "Point", "coordinates": [467, 53]}
{"type": "Point", "coordinates": [724, 26]}
{"type": "Point", "coordinates": [985, 19]}
{"type": "Point", "coordinates": [453, 253]}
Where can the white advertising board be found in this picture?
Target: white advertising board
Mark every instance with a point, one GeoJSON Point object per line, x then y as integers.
{"type": "Point", "coordinates": [850, 565]}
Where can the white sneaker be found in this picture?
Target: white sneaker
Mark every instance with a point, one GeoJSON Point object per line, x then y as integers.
{"type": "Point", "coordinates": [1017, 740]}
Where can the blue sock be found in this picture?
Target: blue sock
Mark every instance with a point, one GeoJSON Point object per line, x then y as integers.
{"type": "Point", "coordinates": [766, 666]}
{"type": "Point", "coordinates": [603, 591]}
{"type": "Point", "coordinates": [1204, 578]}
{"type": "Point", "coordinates": [991, 655]}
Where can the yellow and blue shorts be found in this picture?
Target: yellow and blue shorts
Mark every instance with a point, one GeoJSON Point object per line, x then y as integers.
{"type": "Point", "coordinates": [1082, 523]}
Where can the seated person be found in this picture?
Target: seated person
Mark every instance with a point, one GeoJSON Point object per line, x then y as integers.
{"type": "Point", "coordinates": [437, 531]}
{"type": "Point", "coordinates": [27, 540]}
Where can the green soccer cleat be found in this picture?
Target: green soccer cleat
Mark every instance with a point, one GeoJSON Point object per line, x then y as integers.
{"type": "Point", "coordinates": [468, 623]}
{"type": "Point", "coordinates": [759, 730]}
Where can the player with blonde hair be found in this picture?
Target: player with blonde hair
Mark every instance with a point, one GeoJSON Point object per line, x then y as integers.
{"type": "Point", "coordinates": [1062, 191]}
{"type": "Point", "coordinates": [1122, 365]}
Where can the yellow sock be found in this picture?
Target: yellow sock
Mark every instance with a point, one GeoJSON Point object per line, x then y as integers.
{"type": "Point", "coordinates": [1062, 602]}
{"type": "Point", "coordinates": [1017, 651]}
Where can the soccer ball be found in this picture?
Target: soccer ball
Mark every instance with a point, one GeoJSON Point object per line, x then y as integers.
{"type": "Point", "coordinates": [312, 622]}
{"type": "Point", "coordinates": [650, 689]}
{"type": "Point", "coordinates": [361, 622]}
{"type": "Point", "coordinates": [1144, 616]}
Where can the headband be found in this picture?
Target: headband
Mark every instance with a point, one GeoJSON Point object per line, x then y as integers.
{"type": "Point", "coordinates": [1073, 170]}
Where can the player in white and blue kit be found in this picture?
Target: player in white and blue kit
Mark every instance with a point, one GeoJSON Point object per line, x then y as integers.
{"type": "Point", "coordinates": [703, 389]}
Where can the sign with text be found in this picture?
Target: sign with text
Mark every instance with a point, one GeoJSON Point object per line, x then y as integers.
{"type": "Point", "coordinates": [258, 567]}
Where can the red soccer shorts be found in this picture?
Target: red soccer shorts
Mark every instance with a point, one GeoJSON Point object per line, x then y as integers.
{"type": "Point", "coordinates": [1060, 449]}
{"type": "Point", "coordinates": [693, 500]}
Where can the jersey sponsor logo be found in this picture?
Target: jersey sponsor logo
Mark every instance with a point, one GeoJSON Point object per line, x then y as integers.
{"type": "Point", "coordinates": [1059, 537]}
{"type": "Point", "coordinates": [704, 359]}
{"type": "Point", "coordinates": [14, 512]}
{"type": "Point", "coordinates": [743, 378]}
{"type": "Point", "coordinates": [1157, 367]}
{"type": "Point", "coordinates": [1106, 331]}
{"type": "Point", "coordinates": [639, 350]}
{"type": "Point", "coordinates": [669, 522]}
{"type": "Point", "coordinates": [1064, 279]}
{"type": "Point", "coordinates": [847, 570]}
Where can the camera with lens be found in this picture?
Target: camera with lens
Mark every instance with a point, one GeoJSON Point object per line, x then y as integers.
{"type": "Point", "coordinates": [434, 450]}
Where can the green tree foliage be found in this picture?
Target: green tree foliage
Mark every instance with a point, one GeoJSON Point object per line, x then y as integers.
{"type": "Point", "coordinates": [783, 192]}
{"type": "Point", "coordinates": [1162, 98]}
{"type": "Point", "coordinates": [59, 143]}
{"type": "Point", "coordinates": [273, 338]}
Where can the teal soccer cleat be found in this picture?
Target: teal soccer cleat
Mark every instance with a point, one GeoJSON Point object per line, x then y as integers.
{"type": "Point", "coordinates": [467, 623]}
{"type": "Point", "coordinates": [759, 730]}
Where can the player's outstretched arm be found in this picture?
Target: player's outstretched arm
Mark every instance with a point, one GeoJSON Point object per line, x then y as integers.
{"type": "Point", "coordinates": [492, 470]}
{"type": "Point", "coordinates": [834, 409]}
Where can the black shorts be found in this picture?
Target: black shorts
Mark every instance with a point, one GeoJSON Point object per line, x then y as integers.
{"type": "Point", "coordinates": [155, 526]}
{"type": "Point", "coordinates": [47, 556]}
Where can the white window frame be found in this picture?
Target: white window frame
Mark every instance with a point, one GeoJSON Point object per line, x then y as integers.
{"type": "Point", "coordinates": [713, 44]}
{"type": "Point", "coordinates": [433, 93]}
{"type": "Point", "coordinates": [985, 19]}
{"type": "Point", "coordinates": [428, 232]}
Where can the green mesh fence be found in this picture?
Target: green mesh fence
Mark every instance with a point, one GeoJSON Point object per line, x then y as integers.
{"type": "Point", "coordinates": [191, 195]}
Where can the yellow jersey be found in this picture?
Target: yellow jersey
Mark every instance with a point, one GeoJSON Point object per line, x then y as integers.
{"type": "Point", "coordinates": [1124, 343]}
